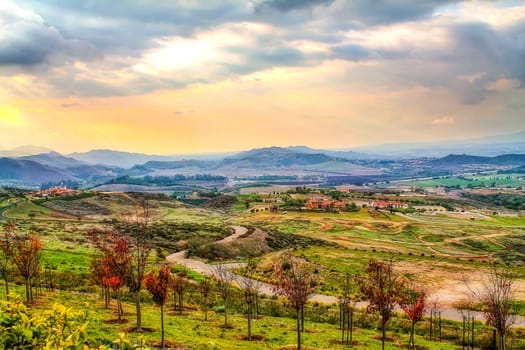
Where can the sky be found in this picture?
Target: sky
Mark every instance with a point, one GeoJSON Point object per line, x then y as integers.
{"type": "Point", "coordinates": [183, 76]}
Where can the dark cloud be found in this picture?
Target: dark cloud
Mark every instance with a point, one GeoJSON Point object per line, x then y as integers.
{"type": "Point", "coordinates": [28, 41]}
{"type": "Point", "coordinates": [378, 12]}
{"type": "Point", "coordinates": [288, 5]}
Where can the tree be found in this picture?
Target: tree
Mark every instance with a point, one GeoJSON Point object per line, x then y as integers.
{"type": "Point", "coordinates": [26, 258]}
{"type": "Point", "coordinates": [116, 261]}
{"type": "Point", "coordinates": [224, 280]}
{"type": "Point", "coordinates": [294, 281]}
{"type": "Point", "coordinates": [497, 294]}
{"type": "Point", "coordinates": [180, 284]}
{"type": "Point", "coordinates": [381, 286]}
{"type": "Point", "coordinates": [205, 289]}
{"type": "Point", "coordinates": [158, 282]}
{"type": "Point", "coordinates": [6, 245]}
{"type": "Point", "coordinates": [140, 243]}
{"type": "Point", "coordinates": [413, 303]}
{"type": "Point", "coordinates": [251, 288]}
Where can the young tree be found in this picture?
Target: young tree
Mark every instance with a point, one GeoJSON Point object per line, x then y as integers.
{"type": "Point", "coordinates": [26, 258]}
{"type": "Point", "coordinates": [294, 281]}
{"type": "Point", "coordinates": [205, 289]}
{"type": "Point", "coordinates": [224, 280]}
{"type": "Point", "coordinates": [6, 245]}
{"type": "Point", "coordinates": [413, 303]}
{"type": "Point", "coordinates": [497, 294]}
{"type": "Point", "coordinates": [381, 286]}
{"type": "Point", "coordinates": [180, 284]}
{"type": "Point", "coordinates": [116, 261]}
{"type": "Point", "coordinates": [137, 229]}
{"type": "Point", "coordinates": [251, 288]}
{"type": "Point", "coordinates": [158, 283]}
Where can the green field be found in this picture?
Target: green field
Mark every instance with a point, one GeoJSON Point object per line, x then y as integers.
{"type": "Point", "coordinates": [475, 181]}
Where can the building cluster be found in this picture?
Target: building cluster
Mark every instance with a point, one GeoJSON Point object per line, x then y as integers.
{"type": "Point", "coordinates": [57, 191]}
{"type": "Point", "coordinates": [320, 203]}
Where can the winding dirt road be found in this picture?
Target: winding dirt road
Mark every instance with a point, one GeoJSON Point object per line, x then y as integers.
{"type": "Point", "coordinates": [267, 289]}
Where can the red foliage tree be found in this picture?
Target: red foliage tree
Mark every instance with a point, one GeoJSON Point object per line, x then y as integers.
{"type": "Point", "coordinates": [413, 302]}
{"type": "Point", "coordinates": [294, 281]}
{"type": "Point", "coordinates": [26, 258]}
{"type": "Point", "coordinates": [382, 287]}
{"type": "Point", "coordinates": [158, 284]}
{"type": "Point", "coordinates": [116, 261]}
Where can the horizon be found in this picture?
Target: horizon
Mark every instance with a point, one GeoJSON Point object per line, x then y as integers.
{"type": "Point", "coordinates": [228, 76]}
{"type": "Point", "coordinates": [359, 149]}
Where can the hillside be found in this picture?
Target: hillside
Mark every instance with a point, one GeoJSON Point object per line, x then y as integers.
{"type": "Point", "coordinates": [31, 172]}
{"type": "Point", "coordinates": [275, 157]}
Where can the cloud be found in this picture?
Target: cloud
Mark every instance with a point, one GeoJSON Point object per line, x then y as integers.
{"type": "Point", "coordinates": [445, 120]}
{"type": "Point", "coordinates": [26, 40]}
{"type": "Point", "coordinates": [289, 5]}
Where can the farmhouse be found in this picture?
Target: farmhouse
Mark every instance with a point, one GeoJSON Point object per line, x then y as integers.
{"type": "Point", "coordinates": [316, 203]}
{"type": "Point", "coordinates": [389, 205]}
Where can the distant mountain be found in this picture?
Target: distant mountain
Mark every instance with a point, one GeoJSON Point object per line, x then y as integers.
{"type": "Point", "coordinates": [115, 158]}
{"type": "Point", "coordinates": [31, 172]}
{"type": "Point", "coordinates": [486, 146]}
{"type": "Point", "coordinates": [54, 159]}
{"type": "Point", "coordinates": [455, 160]}
{"type": "Point", "coordinates": [24, 151]}
{"type": "Point", "coordinates": [351, 155]}
{"type": "Point", "coordinates": [127, 160]}
{"type": "Point", "coordinates": [272, 157]}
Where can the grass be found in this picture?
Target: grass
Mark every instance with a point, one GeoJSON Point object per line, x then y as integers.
{"type": "Point", "coordinates": [191, 332]}
{"type": "Point", "coordinates": [24, 210]}
{"type": "Point", "coordinates": [476, 181]}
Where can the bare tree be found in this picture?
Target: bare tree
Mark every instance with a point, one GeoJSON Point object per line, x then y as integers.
{"type": "Point", "coordinates": [382, 287]}
{"type": "Point", "coordinates": [180, 283]}
{"type": "Point", "coordinates": [137, 229]}
{"type": "Point", "coordinates": [294, 281]}
{"type": "Point", "coordinates": [251, 288]}
{"type": "Point", "coordinates": [205, 288]}
{"type": "Point", "coordinates": [497, 294]}
{"type": "Point", "coordinates": [224, 280]}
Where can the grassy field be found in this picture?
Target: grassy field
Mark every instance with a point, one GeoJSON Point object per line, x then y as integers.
{"type": "Point", "coordinates": [475, 181]}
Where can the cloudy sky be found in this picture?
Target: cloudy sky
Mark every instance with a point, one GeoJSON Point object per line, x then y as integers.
{"type": "Point", "coordinates": [188, 76]}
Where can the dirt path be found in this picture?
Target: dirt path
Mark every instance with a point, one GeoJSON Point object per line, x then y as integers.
{"type": "Point", "coordinates": [446, 295]}
{"type": "Point", "coordinates": [209, 270]}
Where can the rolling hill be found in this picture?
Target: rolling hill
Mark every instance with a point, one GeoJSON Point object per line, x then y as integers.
{"type": "Point", "coordinates": [31, 172]}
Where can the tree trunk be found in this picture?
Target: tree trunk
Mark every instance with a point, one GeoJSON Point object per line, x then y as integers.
{"type": "Point", "coordinates": [225, 315]}
{"type": "Point", "coordinates": [502, 341]}
{"type": "Point", "coordinates": [383, 332]}
{"type": "Point", "coordinates": [205, 309]}
{"type": "Point", "coordinates": [411, 342]}
{"type": "Point", "coordinates": [162, 327]}
{"type": "Point", "coordinates": [249, 321]}
{"type": "Point", "coordinates": [6, 282]}
{"type": "Point", "coordinates": [302, 318]}
{"type": "Point", "coordinates": [28, 297]}
{"type": "Point", "coordinates": [120, 311]}
{"type": "Point", "coordinates": [138, 311]}
{"type": "Point", "coordinates": [298, 329]}
{"type": "Point", "coordinates": [180, 303]}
